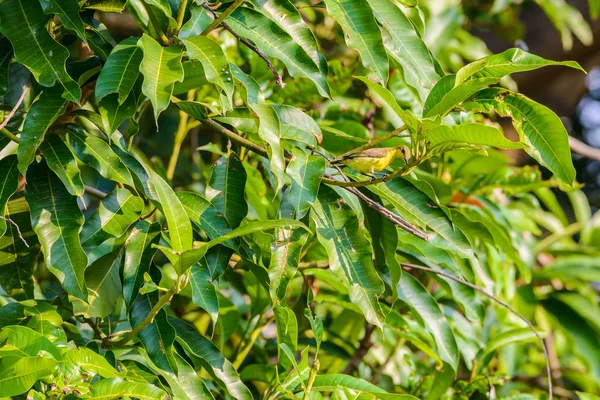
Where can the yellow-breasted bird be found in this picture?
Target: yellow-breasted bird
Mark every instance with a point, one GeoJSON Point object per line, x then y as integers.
{"type": "Point", "coordinates": [374, 160]}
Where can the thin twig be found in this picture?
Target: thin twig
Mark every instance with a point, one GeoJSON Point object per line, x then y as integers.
{"type": "Point", "coordinates": [252, 47]}
{"type": "Point", "coordinates": [16, 107]}
{"type": "Point", "coordinates": [577, 146]}
{"type": "Point", "coordinates": [374, 142]}
{"type": "Point", "coordinates": [215, 126]}
{"type": "Point", "coordinates": [180, 135]}
{"type": "Point", "coordinates": [221, 17]}
{"type": "Point", "coordinates": [154, 21]}
{"type": "Point", "coordinates": [503, 304]}
{"type": "Point", "coordinates": [10, 135]}
{"type": "Point", "coordinates": [17, 228]}
{"type": "Point", "coordinates": [180, 16]}
{"type": "Point", "coordinates": [92, 191]}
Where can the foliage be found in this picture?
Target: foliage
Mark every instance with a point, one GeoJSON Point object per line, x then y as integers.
{"type": "Point", "coordinates": [172, 226]}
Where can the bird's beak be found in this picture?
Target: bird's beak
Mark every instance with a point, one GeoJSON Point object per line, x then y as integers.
{"type": "Point", "coordinates": [406, 160]}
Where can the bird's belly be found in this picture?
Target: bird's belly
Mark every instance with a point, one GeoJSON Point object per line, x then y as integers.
{"type": "Point", "coordinates": [367, 165]}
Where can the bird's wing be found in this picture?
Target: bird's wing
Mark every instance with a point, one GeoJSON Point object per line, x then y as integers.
{"type": "Point", "coordinates": [372, 153]}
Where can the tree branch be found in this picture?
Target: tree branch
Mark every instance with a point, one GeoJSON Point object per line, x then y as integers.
{"type": "Point", "coordinates": [15, 108]}
{"type": "Point", "coordinates": [374, 142]}
{"type": "Point", "coordinates": [503, 304]}
{"type": "Point", "coordinates": [221, 17]}
{"type": "Point", "coordinates": [252, 47]}
{"type": "Point", "coordinates": [577, 146]}
{"type": "Point", "coordinates": [92, 191]}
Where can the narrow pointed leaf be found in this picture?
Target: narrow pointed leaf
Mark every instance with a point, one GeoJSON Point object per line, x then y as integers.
{"type": "Point", "coordinates": [472, 133]}
{"type": "Point", "coordinates": [161, 68]}
{"type": "Point", "coordinates": [68, 12]}
{"type": "Point", "coordinates": [204, 293]}
{"type": "Point", "coordinates": [42, 114]}
{"type": "Point", "coordinates": [114, 114]}
{"type": "Point", "coordinates": [138, 257]}
{"type": "Point", "coordinates": [120, 70]}
{"type": "Point", "coordinates": [297, 126]}
{"type": "Point", "coordinates": [116, 388]}
{"type": "Point", "coordinates": [23, 22]}
{"type": "Point", "coordinates": [198, 22]}
{"type": "Point", "coordinates": [445, 96]}
{"type": "Point", "coordinates": [275, 42]}
{"type": "Point", "coordinates": [349, 252]}
{"type": "Point", "coordinates": [306, 173]}
{"type": "Point", "coordinates": [57, 220]}
{"type": "Point", "coordinates": [285, 256]}
{"type": "Point", "coordinates": [287, 332]}
{"type": "Point", "coordinates": [18, 374]}
{"type": "Point", "coordinates": [9, 183]}
{"type": "Point", "coordinates": [104, 285]}
{"type": "Point", "coordinates": [86, 360]}
{"type": "Point", "coordinates": [362, 33]}
{"type": "Point", "coordinates": [61, 161]}
{"type": "Point", "coordinates": [228, 181]}
{"type": "Point", "coordinates": [188, 385]}
{"type": "Point", "coordinates": [22, 341]}
{"type": "Point", "coordinates": [256, 226]}
{"type": "Point", "coordinates": [427, 310]}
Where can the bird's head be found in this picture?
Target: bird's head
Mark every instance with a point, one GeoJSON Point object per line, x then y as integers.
{"type": "Point", "coordinates": [403, 152]}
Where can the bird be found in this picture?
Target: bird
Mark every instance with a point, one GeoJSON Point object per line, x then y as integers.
{"type": "Point", "coordinates": [373, 160]}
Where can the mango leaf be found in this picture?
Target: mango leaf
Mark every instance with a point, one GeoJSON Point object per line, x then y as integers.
{"type": "Point", "coordinates": [198, 22]}
{"type": "Point", "coordinates": [194, 109]}
{"type": "Point", "coordinates": [538, 127]}
{"type": "Point", "coordinates": [362, 33]}
{"type": "Point", "coordinates": [113, 6]}
{"type": "Point", "coordinates": [113, 114]}
{"type": "Point", "coordinates": [210, 358]}
{"type": "Point", "coordinates": [349, 252]}
{"type": "Point", "coordinates": [61, 161]}
{"type": "Point", "coordinates": [329, 382]}
{"type": "Point", "coordinates": [23, 22]}
{"type": "Point", "coordinates": [138, 257]}
{"type": "Point", "coordinates": [285, 14]}
{"type": "Point", "coordinates": [42, 114]}
{"type": "Point", "coordinates": [158, 336]}
{"type": "Point", "coordinates": [306, 173]}
{"type": "Point", "coordinates": [83, 359]}
{"type": "Point", "coordinates": [275, 42]}
{"type": "Point", "coordinates": [296, 126]}
{"type": "Point", "coordinates": [115, 214]}
{"type": "Point", "coordinates": [116, 388]}
{"type": "Point", "coordinates": [517, 335]}
{"type": "Point", "coordinates": [95, 152]}
{"type": "Point", "coordinates": [180, 229]}
{"type": "Point", "coordinates": [9, 184]}
{"type": "Point", "coordinates": [22, 341]}
{"type": "Point", "coordinates": [188, 385]}
{"type": "Point", "coordinates": [428, 311]}
{"type": "Point", "coordinates": [505, 63]}
{"type": "Point", "coordinates": [104, 285]}
{"type": "Point", "coordinates": [68, 12]}
{"type": "Point", "coordinates": [57, 220]}
{"type": "Point", "coordinates": [472, 133]}
{"type": "Point", "coordinates": [161, 68]}
{"type": "Point", "coordinates": [285, 256]}
{"type": "Point", "coordinates": [17, 258]}
{"type": "Point", "coordinates": [213, 59]}
{"type": "Point", "coordinates": [120, 71]}
{"type": "Point", "coordinates": [204, 293]}
{"type": "Point", "coordinates": [287, 332]}
{"type": "Point", "coordinates": [571, 268]}
{"type": "Point", "coordinates": [227, 183]}
{"type": "Point", "coordinates": [205, 216]}
{"type": "Point", "coordinates": [18, 374]}
{"type": "Point", "coordinates": [445, 96]}
{"type": "Point", "coordinates": [414, 206]}
{"type": "Point", "coordinates": [6, 55]}
{"type": "Point", "coordinates": [183, 260]}
{"type": "Point", "coordinates": [406, 47]}
{"type": "Point", "coordinates": [256, 226]}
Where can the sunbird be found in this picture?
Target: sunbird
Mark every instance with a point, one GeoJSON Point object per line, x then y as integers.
{"type": "Point", "coordinates": [374, 160]}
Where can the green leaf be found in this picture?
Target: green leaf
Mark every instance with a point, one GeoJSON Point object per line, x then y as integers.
{"type": "Point", "coordinates": [113, 217]}
{"type": "Point", "coordinates": [188, 384]}
{"type": "Point", "coordinates": [256, 226]}
{"type": "Point", "coordinates": [204, 293]}
{"type": "Point", "coordinates": [95, 152]}
{"type": "Point", "coordinates": [104, 285]}
{"type": "Point", "coordinates": [161, 68]}
{"type": "Point", "coordinates": [362, 33]}
{"type": "Point", "coordinates": [110, 6]}
{"type": "Point", "coordinates": [23, 22]}
{"type": "Point", "coordinates": [445, 95]}
{"type": "Point", "coordinates": [61, 161]}
{"type": "Point", "coordinates": [18, 374]}
{"type": "Point", "coordinates": [211, 359]}
{"type": "Point", "coordinates": [84, 359]}
{"type": "Point", "coordinates": [571, 268]}
{"type": "Point", "coordinates": [285, 256]}
{"type": "Point", "coordinates": [538, 127]}
{"type": "Point", "coordinates": [285, 14]}
{"type": "Point", "coordinates": [287, 332]}
{"type": "Point", "coordinates": [9, 184]}
{"type": "Point", "coordinates": [138, 257]}
{"type": "Point", "coordinates": [517, 335]}
{"type": "Point", "coordinates": [113, 114]}
{"type": "Point", "coordinates": [22, 341]}
{"type": "Point", "coordinates": [192, 108]}
{"type": "Point", "coordinates": [17, 259]}
{"type": "Point", "coordinates": [305, 172]}
{"type": "Point", "coordinates": [275, 42]}
{"type": "Point", "coordinates": [329, 382]}
{"type": "Point", "coordinates": [183, 260]}
{"type": "Point", "coordinates": [297, 127]}
{"type": "Point", "coordinates": [505, 63]}
{"type": "Point", "coordinates": [180, 228]}
{"type": "Point", "coordinates": [158, 336]}
{"type": "Point", "coordinates": [414, 206]}
{"type": "Point", "coordinates": [213, 60]}
{"type": "Point", "coordinates": [406, 47]}
{"type": "Point", "coordinates": [68, 12]}
{"type": "Point", "coordinates": [6, 55]}
{"type": "Point", "coordinates": [227, 183]}
{"type": "Point", "coordinates": [40, 117]}
{"type": "Point", "coordinates": [472, 133]}
{"type": "Point", "coordinates": [57, 220]}
{"type": "Point", "coordinates": [349, 252]}
{"type": "Point", "coordinates": [198, 22]}
{"type": "Point", "coordinates": [428, 311]}
{"type": "Point", "coordinates": [120, 71]}
{"type": "Point", "coordinates": [115, 388]}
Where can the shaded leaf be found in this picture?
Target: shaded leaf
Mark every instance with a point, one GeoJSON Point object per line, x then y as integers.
{"type": "Point", "coordinates": [204, 293]}
{"type": "Point", "coordinates": [198, 22]}
{"type": "Point", "coordinates": [9, 183]}
{"type": "Point", "coordinates": [68, 12]}
{"type": "Point", "coordinates": [305, 172]}
{"type": "Point", "coordinates": [120, 71]}
{"type": "Point", "coordinates": [227, 183]}
{"type": "Point", "coordinates": [104, 285]}
{"type": "Point", "coordinates": [6, 55]}
{"type": "Point", "coordinates": [445, 96]}
{"type": "Point", "coordinates": [138, 257]}
{"type": "Point", "coordinates": [61, 161]}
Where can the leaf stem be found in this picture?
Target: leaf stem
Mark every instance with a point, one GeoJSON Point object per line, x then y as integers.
{"type": "Point", "coordinates": [10, 135]}
{"type": "Point", "coordinates": [180, 16]}
{"type": "Point", "coordinates": [180, 134]}
{"type": "Point", "coordinates": [235, 137]}
{"type": "Point", "coordinates": [221, 17]}
{"type": "Point", "coordinates": [92, 191]}
{"type": "Point", "coordinates": [156, 25]}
